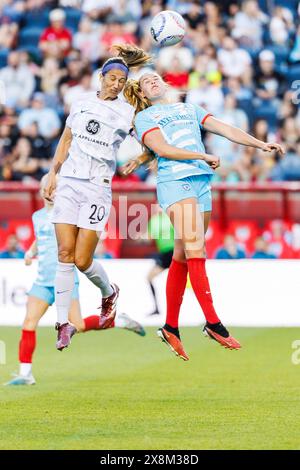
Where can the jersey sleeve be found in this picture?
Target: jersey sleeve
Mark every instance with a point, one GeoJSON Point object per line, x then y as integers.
{"type": "Point", "coordinates": [143, 125]}
{"type": "Point", "coordinates": [202, 115]}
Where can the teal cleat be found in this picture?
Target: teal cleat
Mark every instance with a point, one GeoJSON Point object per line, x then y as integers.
{"type": "Point", "coordinates": [21, 380]}
{"type": "Point", "coordinates": [131, 325]}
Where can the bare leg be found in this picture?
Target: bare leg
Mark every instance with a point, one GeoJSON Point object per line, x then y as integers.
{"type": "Point", "coordinates": [86, 243]}
{"type": "Point", "coordinates": [123, 321]}
{"type": "Point", "coordinates": [66, 236]}
{"type": "Point", "coordinates": [190, 225]}
{"type": "Point", "coordinates": [75, 316]}
{"type": "Point", "coordinates": [35, 309]}
{"type": "Point", "coordinates": [85, 246]}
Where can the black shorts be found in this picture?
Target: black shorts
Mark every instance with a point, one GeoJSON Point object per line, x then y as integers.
{"type": "Point", "coordinates": [164, 259]}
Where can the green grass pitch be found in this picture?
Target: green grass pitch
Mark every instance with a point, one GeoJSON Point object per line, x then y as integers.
{"type": "Point", "coordinates": [114, 390]}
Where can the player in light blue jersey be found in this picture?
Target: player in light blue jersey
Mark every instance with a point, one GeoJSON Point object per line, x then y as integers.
{"type": "Point", "coordinates": [41, 295]}
{"type": "Point", "coordinates": [173, 132]}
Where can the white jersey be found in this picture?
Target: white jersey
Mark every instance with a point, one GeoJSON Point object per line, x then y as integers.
{"type": "Point", "coordinates": [98, 128]}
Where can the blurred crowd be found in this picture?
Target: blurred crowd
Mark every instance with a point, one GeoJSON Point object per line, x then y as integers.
{"type": "Point", "coordinates": [239, 59]}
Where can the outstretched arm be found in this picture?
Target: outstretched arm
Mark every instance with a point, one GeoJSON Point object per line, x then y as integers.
{"type": "Point", "coordinates": [238, 136]}
{"type": "Point", "coordinates": [156, 142]}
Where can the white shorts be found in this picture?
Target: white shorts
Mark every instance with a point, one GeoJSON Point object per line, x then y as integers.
{"type": "Point", "coordinates": [82, 203]}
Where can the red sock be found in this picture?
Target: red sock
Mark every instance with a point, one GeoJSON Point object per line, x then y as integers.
{"type": "Point", "coordinates": [200, 285]}
{"type": "Point", "coordinates": [176, 283]}
{"type": "Point", "coordinates": [92, 323]}
{"type": "Point", "coordinates": [27, 346]}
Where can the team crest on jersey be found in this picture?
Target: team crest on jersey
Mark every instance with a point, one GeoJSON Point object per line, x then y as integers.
{"type": "Point", "coordinates": [186, 186]}
{"type": "Point", "coordinates": [93, 126]}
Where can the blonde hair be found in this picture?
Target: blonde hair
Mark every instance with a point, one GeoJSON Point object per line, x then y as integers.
{"type": "Point", "coordinates": [132, 92]}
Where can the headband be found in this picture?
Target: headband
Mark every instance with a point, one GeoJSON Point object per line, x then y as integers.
{"type": "Point", "coordinates": [115, 65]}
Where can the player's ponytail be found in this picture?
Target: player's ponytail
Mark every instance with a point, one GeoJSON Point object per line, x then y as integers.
{"type": "Point", "coordinates": [132, 93]}
{"type": "Point", "coordinates": [128, 56]}
{"type": "Point", "coordinates": [132, 55]}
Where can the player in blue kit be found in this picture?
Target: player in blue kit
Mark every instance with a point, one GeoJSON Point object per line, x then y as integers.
{"type": "Point", "coordinates": [172, 131]}
{"type": "Point", "coordinates": [41, 295]}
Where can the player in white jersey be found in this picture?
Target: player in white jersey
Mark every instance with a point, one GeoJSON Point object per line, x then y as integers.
{"type": "Point", "coordinates": [41, 295]}
{"type": "Point", "coordinates": [86, 159]}
{"type": "Point", "coordinates": [173, 132]}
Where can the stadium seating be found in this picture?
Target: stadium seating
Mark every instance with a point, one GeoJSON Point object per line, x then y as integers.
{"type": "Point", "coordinates": [36, 18]}
{"type": "Point", "coordinates": [268, 112]}
{"type": "Point", "coordinates": [291, 4]}
{"type": "Point", "coordinates": [293, 74]}
{"type": "Point", "coordinates": [3, 57]}
{"type": "Point", "coordinates": [34, 52]}
{"type": "Point", "coordinates": [30, 36]}
{"type": "Point", "coordinates": [72, 18]}
{"type": "Point", "coordinates": [281, 54]}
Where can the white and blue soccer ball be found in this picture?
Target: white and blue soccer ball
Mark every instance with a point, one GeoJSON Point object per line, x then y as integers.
{"type": "Point", "coordinates": [167, 28]}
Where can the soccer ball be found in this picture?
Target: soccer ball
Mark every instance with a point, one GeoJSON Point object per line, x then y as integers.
{"type": "Point", "coordinates": [167, 28]}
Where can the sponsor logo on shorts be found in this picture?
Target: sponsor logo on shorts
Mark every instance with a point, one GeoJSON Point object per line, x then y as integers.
{"type": "Point", "coordinates": [186, 186]}
{"type": "Point", "coordinates": [93, 126]}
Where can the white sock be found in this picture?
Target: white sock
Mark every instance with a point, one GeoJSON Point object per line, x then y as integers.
{"type": "Point", "coordinates": [96, 274]}
{"type": "Point", "coordinates": [64, 285]}
{"type": "Point", "coordinates": [25, 369]}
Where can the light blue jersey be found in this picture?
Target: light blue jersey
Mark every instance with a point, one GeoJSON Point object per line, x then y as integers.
{"type": "Point", "coordinates": [180, 124]}
{"type": "Point", "coordinates": [46, 247]}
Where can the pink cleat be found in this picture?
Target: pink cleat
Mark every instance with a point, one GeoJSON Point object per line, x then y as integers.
{"type": "Point", "coordinates": [64, 335]}
{"type": "Point", "coordinates": [109, 308]}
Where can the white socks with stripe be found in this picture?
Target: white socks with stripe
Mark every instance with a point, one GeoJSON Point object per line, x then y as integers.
{"type": "Point", "coordinates": [64, 285]}
{"type": "Point", "coordinates": [96, 274]}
